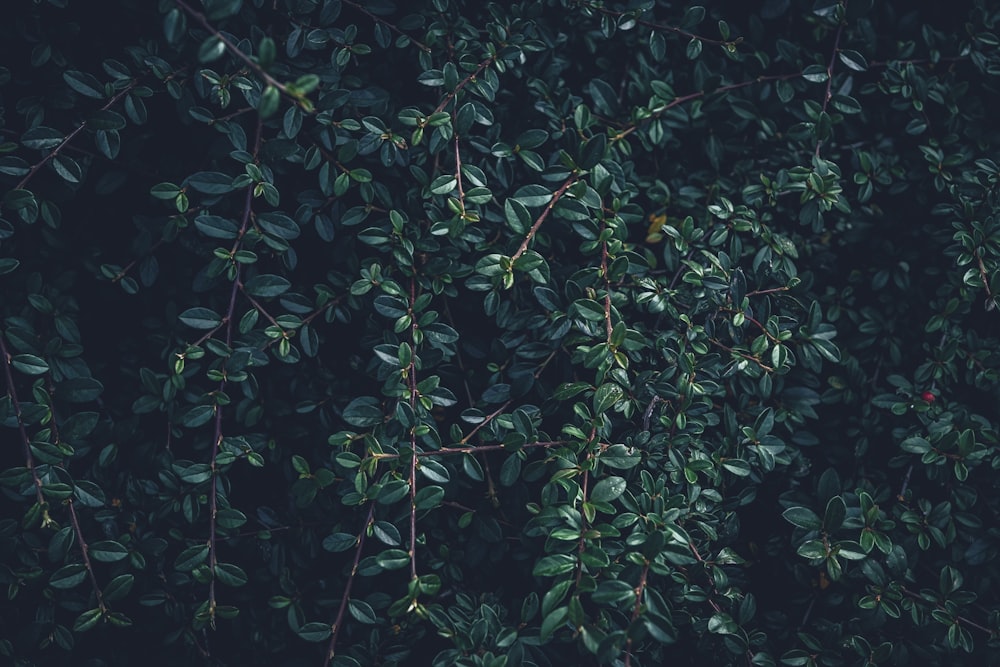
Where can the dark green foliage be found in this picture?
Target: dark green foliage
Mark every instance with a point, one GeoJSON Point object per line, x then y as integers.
{"type": "Point", "coordinates": [453, 333]}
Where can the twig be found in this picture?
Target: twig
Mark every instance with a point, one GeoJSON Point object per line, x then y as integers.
{"type": "Point", "coordinates": [381, 456]}
{"type": "Point", "coordinates": [213, 493]}
{"type": "Point", "coordinates": [390, 26]}
{"type": "Point", "coordinates": [748, 357]}
{"type": "Point", "coordinates": [659, 111]}
{"type": "Point", "coordinates": [458, 175]}
{"type": "Point", "coordinates": [250, 62]}
{"type": "Point", "coordinates": [636, 608]}
{"type": "Point", "coordinates": [464, 82]}
{"type": "Point", "coordinates": [829, 73]}
{"type": "Point", "coordinates": [607, 285]}
{"type": "Point", "coordinates": [25, 440]}
{"type": "Point", "coordinates": [332, 649]}
{"type": "Point", "coordinates": [544, 214]}
{"type": "Point", "coordinates": [661, 26]}
{"type": "Point", "coordinates": [85, 550]}
{"type": "Point", "coordinates": [72, 135]}
{"type": "Point", "coordinates": [490, 417]}
{"type": "Point", "coordinates": [412, 377]}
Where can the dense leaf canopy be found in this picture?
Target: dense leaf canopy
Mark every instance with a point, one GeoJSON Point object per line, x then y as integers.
{"type": "Point", "coordinates": [444, 332]}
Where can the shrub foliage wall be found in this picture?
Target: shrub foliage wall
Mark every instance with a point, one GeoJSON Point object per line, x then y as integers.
{"type": "Point", "coordinates": [455, 333]}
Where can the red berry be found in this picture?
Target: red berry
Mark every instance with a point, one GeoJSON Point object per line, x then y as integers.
{"type": "Point", "coordinates": [928, 396]}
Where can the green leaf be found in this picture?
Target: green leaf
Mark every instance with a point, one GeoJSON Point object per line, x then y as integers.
{"type": "Point", "coordinates": [85, 84]}
{"type": "Point", "coordinates": [29, 364]}
{"type": "Point", "coordinates": [428, 497]}
{"type": "Point", "coordinates": [211, 49]}
{"type": "Point", "coordinates": [210, 182]}
{"type": "Point", "coordinates": [554, 565]}
{"type": "Point", "coordinates": [614, 592]}
{"type": "Point", "coordinates": [836, 512]}
{"type": "Point", "coordinates": [230, 575]}
{"type": "Point", "coordinates": [606, 396]}
{"type": "Point", "coordinates": [200, 318]}
{"type": "Point", "coordinates": [119, 587]}
{"type": "Point", "coordinates": [41, 138]}
{"type": "Point", "coordinates": [87, 620]}
{"type": "Point", "coordinates": [213, 226]}
{"type": "Point", "coordinates": [533, 196]}
{"type": "Point", "coordinates": [68, 576]}
{"type": "Point", "coordinates": [314, 632]}
{"type": "Point", "coordinates": [363, 412]}
{"type": "Point", "coordinates": [270, 100]}
{"type": "Point", "coordinates": [267, 285]}
{"type": "Point", "coordinates": [853, 59]}
{"type": "Point", "coordinates": [108, 551]}
{"type": "Point", "coordinates": [803, 517]}
{"type": "Point", "coordinates": [191, 558]}
{"type": "Point", "coordinates": [392, 559]}
{"type": "Point", "coordinates": [339, 542]}
{"type": "Point", "coordinates": [362, 611]}
{"type": "Point", "coordinates": [608, 489]}
{"type": "Point", "coordinates": [80, 389]}
{"type": "Point", "coordinates": [815, 74]}
{"type": "Point", "coordinates": [278, 225]}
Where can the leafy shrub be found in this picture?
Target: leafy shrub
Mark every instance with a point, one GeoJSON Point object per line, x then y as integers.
{"type": "Point", "coordinates": [458, 333]}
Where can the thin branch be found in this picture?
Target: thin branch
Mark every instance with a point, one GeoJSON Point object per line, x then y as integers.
{"type": "Point", "coordinates": [607, 285]}
{"type": "Point", "coordinates": [544, 214]}
{"type": "Point", "coordinates": [85, 550]}
{"type": "Point", "coordinates": [464, 82]}
{"type": "Point", "coordinates": [660, 27]}
{"type": "Point", "coordinates": [390, 26]}
{"type": "Point", "coordinates": [332, 649]}
{"type": "Point", "coordinates": [381, 456]}
{"type": "Point", "coordinates": [746, 356]}
{"type": "Point", "coordinates": [25, 440]}
{"type": "Point", "coordinates": [490, 417]}
{"type": "Point", "coordinates": [659, 111]}
{"type": "Point", "coordinates": [412, 377]}
{"type": "Point", "coordinates": [458, 174]}
{"type": "Point", "coordinates": [958, 619]}
{"type": "Point", "coordinates": [200, 18]}
{"type": "Point", "coordinates": [829, 73]}
{"type": "Point", "coordinates": [636, 608]}
{"type": "Point", "coordinates": [767, 291]}
{"type": "Point", "coordinates": [72, 135]}
{"type": "Point", "coordinates": [213, 495]}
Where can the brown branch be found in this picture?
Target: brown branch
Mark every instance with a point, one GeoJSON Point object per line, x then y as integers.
{"type": "Point", "coordinates": [85, 550]}
{"type": "Point", "coordinates": [458, 174]}
{"type": "Point", "coordinates": [72, 135]}
{"type": "Point", "coordinates": [25, 440]}
{"type": "Point", "coordinates": [661, 27]}
{"type": "Point", "coordinates": [412, 377]}
{"type": "Point", "coordinates": [767, 291]}
{"type": "Point", "coordinates": [544, 214]}
{"type": "Point", "coordinates": [636, 608]}
{"type": "Point", "coordinates": [463, 83]}
{"type": "Point", "coordinates": [984, 276]}
{"type": "Point", "coordinates": [829, 73]}
{"type": "Point", "coordinates": [332, 649]}
{"type": "Point", "coordinates": [607, 285]}
{"type": "Point", "coordinates": [748, 357]}
{"type": "Point", "coordinates": [390, 26]}
{"type": "Point", "coordinates": [250, 62]}
{"type": "Point", "coordinates": [490, 417]}
{"type": "Point", "coordinates": [213, 493]}
{"type": "Point", "coordinates": [131, 265]}
{"type": "Point", "coordinates": [958, 618]}
{"type": "Point", "coordinates": [470, 450]}
{"type": "Point", "coordinates": [659, 111]}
